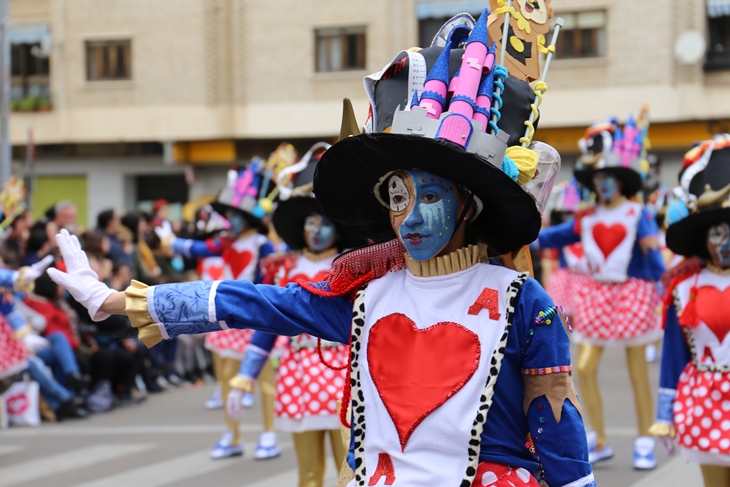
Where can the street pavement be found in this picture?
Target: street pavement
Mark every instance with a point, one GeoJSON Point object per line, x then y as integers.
{"type": "Point", "coordinates": [166, 440]}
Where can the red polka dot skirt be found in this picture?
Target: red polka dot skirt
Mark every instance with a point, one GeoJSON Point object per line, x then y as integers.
{"type": "Point", "coordinates": [12, 352]}
{"type": "Point", "coordinates": [305, 387]}
{"type": "Point", "coordinates": [496, 475]}
{"type": "Point", "coordinates": [702, 410]}
{"type": "Point", "coordinates": [230, 343]}
{"type": "Point", "coordinates": [561, 287]}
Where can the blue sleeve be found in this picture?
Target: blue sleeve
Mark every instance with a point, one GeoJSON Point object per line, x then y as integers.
{"type": "Point", "coordinates": [257, 353]}
{"type": "Point", "coordinates": [561, 446]}
{"type": "Point", "coordinates": [675, 357]}
{"type": "Point", "coordinates": [558, 236]}
{"type": "Point", "coordinates": [265, 250]}
{"type": "Point", "coordinates": [195, 248]}
{"type": "Point", "coordinates": [648, 228]}
{"type": "Point", "coordinates": [203, 306]}
{"type": "Point", "coordinates": [6, 278]}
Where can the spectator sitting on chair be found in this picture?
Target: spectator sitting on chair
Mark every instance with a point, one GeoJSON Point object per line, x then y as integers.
{"type": "Point", "coordinates": [109, 222]}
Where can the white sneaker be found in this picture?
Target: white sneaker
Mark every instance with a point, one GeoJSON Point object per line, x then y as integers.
{"type": "Point", "coordinates": [215, 401]}
{"type": "Point", "coordinates": [267, 447]}
{"type": "Point", "coordinates": [651, 353]}
{"type": "Point", "coordinates": [644, 456]}
{"type": "Point", "coordinates": [247, 400]}
{"type": "Point", "coordinates": [224, 449]}
{"type": "Point", "coordinates": [595, 455]}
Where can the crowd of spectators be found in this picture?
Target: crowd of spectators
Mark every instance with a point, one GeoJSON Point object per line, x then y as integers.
{"type": "Point", "coordinates": [84, 366]}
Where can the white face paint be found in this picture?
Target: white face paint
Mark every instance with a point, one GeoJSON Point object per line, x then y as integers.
{"type": "Point", "coordinates": [433, 214]}
{"type": "Point", "coordinates": [398, 193]}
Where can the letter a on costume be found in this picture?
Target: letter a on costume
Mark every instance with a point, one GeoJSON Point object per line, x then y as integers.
{"type": "Point", "coordinates": [488, 299]}
{"type": "Point", "coordinates": [385, 469]}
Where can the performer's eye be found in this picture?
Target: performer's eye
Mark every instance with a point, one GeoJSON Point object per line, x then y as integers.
{"type": "Point", "coordinates": [430, 198]}
{"type": "Point", "coordinates": [398, 193]}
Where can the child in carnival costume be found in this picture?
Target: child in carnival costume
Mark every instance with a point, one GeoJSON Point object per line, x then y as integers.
{"type": "Point", "coordinates": [618, 305]}
{"type": "Point", "coordinates": [433, 325]}
{"type": "Point", "coordinates": [244, 203]}
{"type": "Point", "coordinates": [694, 386]}
{"type": "Point", "coordinates": [311, 373]}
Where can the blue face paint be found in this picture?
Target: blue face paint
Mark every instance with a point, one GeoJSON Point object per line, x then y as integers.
{"type": "Point", "coordinates": [606, 185]}
{"type": "Point", "coordinates": [423, 211]}
{"type": "Point", "coordinates": [319, 233]}
{"type": "Point", "coordinates": [237, 221]}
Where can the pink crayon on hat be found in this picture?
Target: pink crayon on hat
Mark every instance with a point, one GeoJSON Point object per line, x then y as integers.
{"type": "Point", "coordinates": [486, 89]}
{"type": "Point", "coordinates": [472, 66]}
{"type": "Point", "coordinates": [433, 98]}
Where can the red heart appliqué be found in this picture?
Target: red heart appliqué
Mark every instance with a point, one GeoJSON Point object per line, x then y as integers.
{"type": "Point", "coordinates": [238, 261]}
{"type": "Point", "coordinates": [417, 370]}
{"type": "Point", "coordinates": [608, 238]}
{"type": "Point", "coordinates": [711, 305]}
{"type": "Point", "coordinates": [576, 249]}
{"type": "Point", "coordinates": [215, 272]}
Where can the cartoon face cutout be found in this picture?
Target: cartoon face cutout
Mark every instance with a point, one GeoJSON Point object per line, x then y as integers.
{"type": "Point", "coordinates": [319, 232]}
{"type": "Point", "coordinates": [535, 11]}
{"type": "Point", "coordinates": [718, 244]}
{"type": "Point", "coordinates": [423, 211]}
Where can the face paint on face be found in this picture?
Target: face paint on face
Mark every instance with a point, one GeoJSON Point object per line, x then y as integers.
{"type": "Point", "coordinates": [718, 244]}
{"type": "Point", "coordinates": [237, 221]}
{"type": "Point", "coordinates": [606, 185]}
{"type": "Point", "coordinates": [319, 233]}
{"type": "Point", "coordinates": [423, 210]}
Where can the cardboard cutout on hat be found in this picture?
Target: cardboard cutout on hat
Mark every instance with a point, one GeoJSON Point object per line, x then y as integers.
{"type": "Point", "coordinates": [529, 22]}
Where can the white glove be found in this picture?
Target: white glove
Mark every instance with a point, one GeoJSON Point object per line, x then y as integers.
{"type": "Point", "coordinates": [667, 444]}
{"type": "Point", "coordinates": [33, 343]}
{"type": "Point", "coordinates": [32, 273]}
{"type": "Point", "coordinates": [164, 231]}
{"type": "Point", "coordinates": [234, 405]}
{"type": "Point", "coordinates": [80, 280]}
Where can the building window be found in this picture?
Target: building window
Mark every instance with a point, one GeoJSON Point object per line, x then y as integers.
{"type": "Point", "coordinates": [340, 49]}
{"type": "Point", "coordinates": [108, 60]}
{"type": "Point", "coordinates": [29, 78]}
{"type": "Point", "coordinates": [583, 35]}
{"type": "Point", "coordinates": [718, 52]}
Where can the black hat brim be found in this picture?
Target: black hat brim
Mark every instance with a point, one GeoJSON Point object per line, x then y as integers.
{"type": "Point", "coordinates": [350, 169]}
{"type": "Point", "coordinates": [688, 237]}
{"type": "Point", "coordinates": [631, 179]}
{"type": "Point", "coordinates": [289, 218]}
{"type": "Point", "coordinates": [222, 208]}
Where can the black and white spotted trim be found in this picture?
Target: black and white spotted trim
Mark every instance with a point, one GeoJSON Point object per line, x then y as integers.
{"type": "Point", "coordinates": [485, 401]}
{"type": "Point", "coordinates": [358, 399]}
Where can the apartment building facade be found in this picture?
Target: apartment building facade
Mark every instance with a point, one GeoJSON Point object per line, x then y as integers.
{"type": "Point", "coordinates": [126, 100]}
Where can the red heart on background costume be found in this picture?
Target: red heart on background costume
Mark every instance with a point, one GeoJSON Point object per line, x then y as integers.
{"type": "Point", "coordinates": [608, 238]}
{"type": "Point", "coordinates": [298, 278]}
{"type": "Point", "coordinates": [576, 249]}
{"type": "Point", "coordinates": [215, 271]}
{"type": "Point", "coordinates": [418, 370]}
{"type": "Point", "coordinates": [238, 261]}
{"type": "Point", "coordinates": [712, 306]}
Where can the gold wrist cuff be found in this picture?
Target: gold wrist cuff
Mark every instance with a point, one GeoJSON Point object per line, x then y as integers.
{"type": "Point", "coordinates": [662, 429]}
{"type": "Point", "coordinates": [139, 314]}
{"type": "Point", "coordinates": [166, 246]}
{"type": "Point", "coordinates": [243, 383]}
{"type": "Point", "coordinates": [21, 285]}
{"type": "Point", "coordinates": [22, 332]}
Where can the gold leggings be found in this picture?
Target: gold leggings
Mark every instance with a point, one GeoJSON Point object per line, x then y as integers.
{"type": "Point", "coordinates": [715, 476]}
{"type": "Point", "coordinates": [225, 369]}
{"type": "Point", "coordinates": [589, 356]}
{"type": "Point", "coordinates": [310, 449]}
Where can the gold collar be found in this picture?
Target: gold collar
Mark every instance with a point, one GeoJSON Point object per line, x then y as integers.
{"type": "Point", "coordinates": [717, 269]}
{"type": "Point", "coordinates": [319, 256]}
{"type": "Point", "coordinates": [443, 265]}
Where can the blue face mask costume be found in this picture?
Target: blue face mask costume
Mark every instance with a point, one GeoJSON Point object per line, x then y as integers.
{"type": "Point", "coordinates": [237, 221]}
{"type": "Point", "coordinates": [606, 185]}
{"type": "Point", "coordinates": [319, 233]}
{"type": "Point", "coordinates": [423, 210]}
{"type": "Point", "coordinates": [718, 243]}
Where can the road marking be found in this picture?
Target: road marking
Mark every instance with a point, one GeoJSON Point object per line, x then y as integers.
{"type": "Point", "coordinates": [65, 462]}
{"type": "Point", "coordinates": [49, 430]}
{"type": "Point", "coordinates": [675, 472]}
{"type": "Point", "coordinates": [291, 477]}
{"type": "Point", "coordinates": [173, 470]}
{"type": "Point", "coordinates": [7, 449]}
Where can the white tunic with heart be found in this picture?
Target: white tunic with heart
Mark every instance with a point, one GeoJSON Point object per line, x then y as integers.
{"type": "Point", "coordinates": [608, 237]}
{"type": "Point", "coordinates": [242, 257]}
{"type": "Point", "coordinates": [425, 360]}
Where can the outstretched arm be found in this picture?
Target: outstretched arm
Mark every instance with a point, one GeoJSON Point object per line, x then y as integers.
{"type": "Point", "coordinates": [558, 236]}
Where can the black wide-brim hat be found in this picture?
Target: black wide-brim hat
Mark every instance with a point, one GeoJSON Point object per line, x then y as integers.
{"type": "Point", "coordinates": [631, 179]}
{"type": "Point", "coordinates": [289, 218]}
{"type": "Point", "coordinates": [257, 223]}
{"type": "Point", "coordinates": [350, 170]}
{"type": "Point", "coordinates": [688, 237]}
